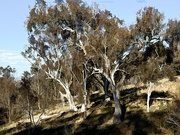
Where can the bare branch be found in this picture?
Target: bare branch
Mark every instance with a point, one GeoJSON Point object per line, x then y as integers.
{"type": "Point", "coordinates": [171, 121]}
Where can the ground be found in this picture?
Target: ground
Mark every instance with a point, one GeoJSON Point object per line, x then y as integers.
{"type": "Point", "coordinates": [164, 110]}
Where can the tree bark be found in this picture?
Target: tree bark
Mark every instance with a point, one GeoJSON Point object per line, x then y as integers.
{"type": "Point", "coordinates": [39, 106]}
{"type": "Point", "coordinates": [149, 94]}
{"type": "Point", "coordinates": [29, 110]}
{"type": "Point", "coordinates": [85, 93]}
{"type": "Point", "coordinates": [9, 109]}
{"type": "Point", "coordinates": [106, 86]}
{"type": "Point", "coordinates": [118, 109]}
{"type": "Point", "coordinates": [71, 101]}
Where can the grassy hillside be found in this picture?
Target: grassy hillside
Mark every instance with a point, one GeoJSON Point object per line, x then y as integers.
{"type": "Point", "coordinates": [163, 118]}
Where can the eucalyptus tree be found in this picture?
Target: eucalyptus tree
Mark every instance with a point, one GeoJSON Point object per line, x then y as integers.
{"type": "Point", "coordinates": [107, 41]}
{"type": "Point", "coordinates": [49, 31]}
{"type": "Point", "coordinates": [8, 90]}
{"type": "Point", "coordinates": [155, 47]}
{"type": "Point", "coordinates": [159, 41]}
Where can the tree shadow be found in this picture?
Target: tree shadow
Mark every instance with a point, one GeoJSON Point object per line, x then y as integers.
{"type": "Point", "coordinates": [141, 124]}
{"type": "Point", "coordinates": [156, 94]}
{"type": "Point", "coordinates": [130, 95]}
{"type": "Point", "coordinates": [4, 132]}
{"type": "Point", "coordinates": [135, 121]}
{"type": "Point", "coordinates": [65, 124]}
{"type": "Point", "coordinates": [132, 90]}
{"type": "Point", "coordinates": [101, 114]}
{"type": "Point", "coordinates": [62, 124]}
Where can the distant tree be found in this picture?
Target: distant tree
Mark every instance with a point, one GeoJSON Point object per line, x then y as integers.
{"type": "Point", "coordinates": [8, 90]}
{"type": "Point", "coordinates": [25, 93]}
{"type": "Point", "coordinates": [7, 72]}
{"type": "Point", "coordinates": [36, 82]}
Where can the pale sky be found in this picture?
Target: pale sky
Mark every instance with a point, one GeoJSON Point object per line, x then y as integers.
{"type": "Point", "coordinates": [13, 13]}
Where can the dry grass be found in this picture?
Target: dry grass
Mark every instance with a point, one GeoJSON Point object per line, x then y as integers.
{"type": "Point", "coordinates": [7, 126]}
{"type": "Point", "coordinates": [163, 85]}
{"type": "Point", "coordinates": [166, 85]}
{"type": "Point", "coordinates": [100, 114]}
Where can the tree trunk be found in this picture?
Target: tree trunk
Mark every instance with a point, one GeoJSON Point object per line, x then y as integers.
{"type": "Point", "coordinates": [54, 86]}
{"type": "Point", "coordinates": [148, 95]}
{"type": "Point", "coordinates": [29, 110]}
{"type": "Point", "coordinates": [62, 98]}
{"type": "Point", "coordinates": [118, 109]}
{"type": "Point", "coordinates": [38, 89]}
{"type": "Point", "coordinates": [39, 105]}
{"type": "Point", "coordinates": [71, 101]}
{"type": "Point", "coordinates": [106, 86]}
{"type": "Point", "coordinates": [9, 109]}
{"type": "Point", "coordinates": [85, 93]}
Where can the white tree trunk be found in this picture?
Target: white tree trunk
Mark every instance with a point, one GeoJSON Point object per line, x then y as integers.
{"type": "Point", "coordinates": [69, 98]}
{"type": "Point", "coordinates": [71, 101]}
{"type": "Point", "coordinates": [149, 94]}
{"type": "Point", "coordinates": [62, 98]}
{"type": "Point", "coordinates": [66, 87]}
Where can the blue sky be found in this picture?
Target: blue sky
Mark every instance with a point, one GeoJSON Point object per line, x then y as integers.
{"type": "Point", "coordinates": [13, 13]}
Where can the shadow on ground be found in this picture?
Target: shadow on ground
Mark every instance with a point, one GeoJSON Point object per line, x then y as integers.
{"type": "Point", "coordinates": [100, 117]}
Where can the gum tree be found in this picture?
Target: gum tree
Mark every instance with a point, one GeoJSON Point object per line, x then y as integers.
{"type": "Point", "coordinates": [72, 25]}
{"type": "Point", "coordinates": [107, 41]}
{"type": "Point", "coordinates": [48, 47]}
